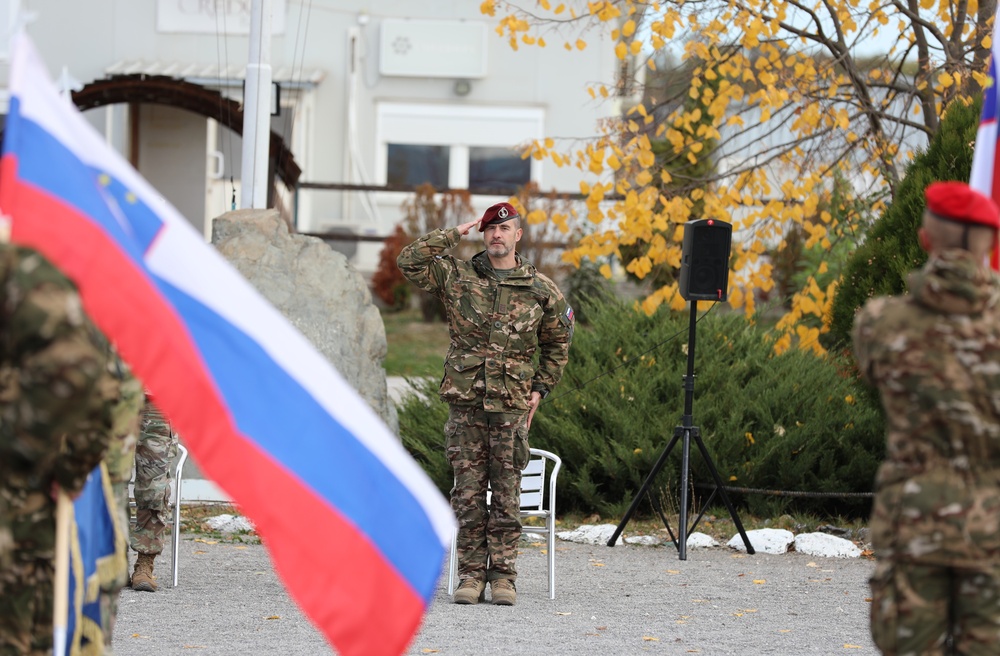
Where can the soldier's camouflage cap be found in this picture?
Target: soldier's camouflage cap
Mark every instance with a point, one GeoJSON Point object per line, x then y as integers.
{"type": "Point", "coordinates": [499, 213]}
{"type": "Point", "coordinates": [960, 203]}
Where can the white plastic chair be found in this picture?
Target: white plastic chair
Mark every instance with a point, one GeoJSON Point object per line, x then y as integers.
{"type": "Point", "coordinates": [533, 487]}
{"type": "Point", "coordinates": [182, 454]}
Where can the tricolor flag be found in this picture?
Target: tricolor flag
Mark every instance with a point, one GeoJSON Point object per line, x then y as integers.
{"type": "Point", "coordinates": [356, 530]}
{"type": "Point", "coordinates": [985, 176]}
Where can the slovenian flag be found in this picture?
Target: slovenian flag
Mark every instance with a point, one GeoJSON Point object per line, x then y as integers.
{"type": "Point", "coordinates": [985, 176]}
{"type": "Point", "coordinates": [356, 530]}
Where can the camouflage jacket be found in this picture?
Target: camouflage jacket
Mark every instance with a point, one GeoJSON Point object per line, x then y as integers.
{"type": "Point", "coordinates": [934, 356]}
{"type": "Point", "coordinates": [125, 412]}
{"type": "Point", "coordinates": [497, 326]}
{"type": "Point", "coordinates": [55, 391]}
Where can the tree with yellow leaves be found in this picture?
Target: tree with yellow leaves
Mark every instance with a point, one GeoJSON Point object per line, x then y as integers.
{"type": "Point", "coordinates": [778, 99]}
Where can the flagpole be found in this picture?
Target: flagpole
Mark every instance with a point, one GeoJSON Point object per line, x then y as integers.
{"type": "Point", "coordinates": [60, 616]}
{"type": "Point", "coordinates": [257, 109]}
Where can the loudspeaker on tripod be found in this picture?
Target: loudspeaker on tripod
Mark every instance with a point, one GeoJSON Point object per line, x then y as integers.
{"type": "Point", "coordinates": [705, 260]}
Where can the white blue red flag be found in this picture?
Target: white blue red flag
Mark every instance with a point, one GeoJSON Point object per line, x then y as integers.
{"type": "Point", "coordinates": [985, 176]}
{"type": "Point", "coordinates": [355, 528]}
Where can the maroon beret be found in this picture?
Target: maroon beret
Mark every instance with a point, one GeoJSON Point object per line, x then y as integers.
{"type": "Point", "coordinates": [958, 202]}
{"type": "Point", "coordinates": [497, 214]}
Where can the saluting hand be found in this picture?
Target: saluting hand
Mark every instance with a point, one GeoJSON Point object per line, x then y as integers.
{"type": "Point", "coordinates": [466, 227]}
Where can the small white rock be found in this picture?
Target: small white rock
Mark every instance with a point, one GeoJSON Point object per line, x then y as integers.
{"type": "Point", "coordinates": [587, 534]}
{"type": "Point", "coordinates": [229, 524]}
{"type": "Point", "coordinates": [644, 540]}
{"type": "Point", "coordinates": [534, 538]}
{"type": "Point", "coordinates": [701, 541]}
{"type": "Point", "coordinates": [764, 540]}
{"type": "Point", "coordinates": [823, 544]}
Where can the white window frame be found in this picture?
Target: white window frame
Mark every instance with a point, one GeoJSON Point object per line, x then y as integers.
{"type": "Point", "coordinates": [456, 126]}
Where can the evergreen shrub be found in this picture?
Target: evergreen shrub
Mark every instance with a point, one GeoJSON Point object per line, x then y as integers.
{"type": "Point", "coordinates": [793, 422]}
{"type": "Point", "coordinates": [891, 249]}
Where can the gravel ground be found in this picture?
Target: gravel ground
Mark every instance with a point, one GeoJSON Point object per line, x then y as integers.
{"type": "Point", "coordinates": [621, 600]}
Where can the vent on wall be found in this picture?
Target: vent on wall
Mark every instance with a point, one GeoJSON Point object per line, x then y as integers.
{"type": "Point", "coordinates": [433, 48]}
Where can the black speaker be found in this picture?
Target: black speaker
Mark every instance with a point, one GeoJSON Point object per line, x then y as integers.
{"type": "Point", "coordinates": [705, 262]}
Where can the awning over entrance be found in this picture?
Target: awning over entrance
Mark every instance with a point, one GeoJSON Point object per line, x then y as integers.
{"type": "Point", "coordinates": [215, 75]}
{"type": "Point", "coordinates": [164, 90]}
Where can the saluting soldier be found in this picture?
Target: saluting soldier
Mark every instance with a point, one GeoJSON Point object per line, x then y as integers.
{"type": "Point", "coordinates": [502, 314]}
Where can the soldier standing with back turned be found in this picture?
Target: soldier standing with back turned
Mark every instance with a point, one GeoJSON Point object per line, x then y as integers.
{"type": "Point", "coordinates": [502, 314]}
{"type": "Point", "coordinates": [934, 355]}
{"type": "Point", "coordinates": [55, 400]}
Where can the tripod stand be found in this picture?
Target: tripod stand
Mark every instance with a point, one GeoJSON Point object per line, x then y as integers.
{"type": "Point", "coordinates": [684, 433]}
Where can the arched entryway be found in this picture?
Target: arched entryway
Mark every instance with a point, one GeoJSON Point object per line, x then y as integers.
{"type": "Point", "coordinates": [168, 146]}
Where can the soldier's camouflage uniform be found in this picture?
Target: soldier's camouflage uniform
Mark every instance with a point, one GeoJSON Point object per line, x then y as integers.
{"type": "Point", "coordinates": [55, 397]}
{"type": "Point", "coordinates": [498, 325]}
{"type": "Point", "coordinates": [935, 357]}
{"type": "Point", "coordinates": [154, 454]}
{"type": "Point", "coordinates": [120, 461]}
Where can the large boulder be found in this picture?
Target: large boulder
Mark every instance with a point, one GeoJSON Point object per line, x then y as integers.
{"type": "Point", "coordinates": [318, 291]}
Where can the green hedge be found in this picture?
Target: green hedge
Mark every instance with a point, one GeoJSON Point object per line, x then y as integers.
{"type": "Point", "coordinates": [891, 249]}
{"type": "Point", "coordinates": [791, 422]}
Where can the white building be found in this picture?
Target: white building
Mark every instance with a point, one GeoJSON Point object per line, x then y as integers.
{"type": "Point", "coordinates": [371, 92]}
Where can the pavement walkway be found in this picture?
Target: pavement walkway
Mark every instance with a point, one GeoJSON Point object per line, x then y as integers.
{"type": "Point", "coordinates": [609, 600]}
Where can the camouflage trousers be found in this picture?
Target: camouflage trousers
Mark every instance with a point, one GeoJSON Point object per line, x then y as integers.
{"type": "Point", "coordinates": [924, 610]}
{"type": "Point", "coordinates": [486, 449]}
{"type": "Point", "coordinates": [154, 455]}
{"type": "Point", "coordinates": [26, 583]}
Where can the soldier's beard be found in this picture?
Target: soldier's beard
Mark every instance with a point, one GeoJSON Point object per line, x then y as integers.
{"type": "Point", "coordinates": [499, 250]}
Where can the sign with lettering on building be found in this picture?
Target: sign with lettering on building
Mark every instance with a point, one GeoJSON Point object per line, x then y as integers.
{"type": "Point", "coordinates": [213, 16]}
{"type": "Point", "coordinates": [432, 48]}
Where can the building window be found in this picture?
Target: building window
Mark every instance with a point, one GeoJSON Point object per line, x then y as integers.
{"type": "Point", "coordinates": [497, 168]}
{"type": "Point", "coordinates": [413, 165]}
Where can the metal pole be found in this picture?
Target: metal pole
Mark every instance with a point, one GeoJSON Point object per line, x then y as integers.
{"type": "Point", "coordinates": [687, 422]}
{"type": "Point", "coordinates": [257, 108]}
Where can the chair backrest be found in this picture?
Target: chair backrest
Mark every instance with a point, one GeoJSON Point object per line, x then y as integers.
{"type": "Point", "coordinates": [533, 480]}
{"type": "Point", "coordinates": [533, 484]}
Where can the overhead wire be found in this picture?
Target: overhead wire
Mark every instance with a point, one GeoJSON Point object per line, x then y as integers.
{"type": "Point", "coordinates": [223, 65]}
{"type": "Point", "coordinates": [296, 77]}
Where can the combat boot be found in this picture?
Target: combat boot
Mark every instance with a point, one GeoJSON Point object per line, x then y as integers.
{"type": "Point", "coordinates": [142, 575]}
{"type": "Point", "coordinates": [503, 591]}
{"type": "Point", "coordinates": [470, 591]}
